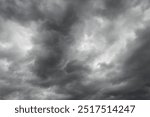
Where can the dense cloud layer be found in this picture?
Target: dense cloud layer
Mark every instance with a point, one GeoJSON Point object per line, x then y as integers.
{"type": "Point", "coordinates": [74, 49]}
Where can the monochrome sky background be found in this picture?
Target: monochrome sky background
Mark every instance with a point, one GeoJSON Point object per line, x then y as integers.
{"type": "Point", "coordinates": [74, 49]}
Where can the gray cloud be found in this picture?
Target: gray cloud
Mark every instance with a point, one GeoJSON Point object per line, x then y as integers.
{"type": "Point", "coordinates": [66, 49]}
{"type": "Point", "coordinates": [137, 68]}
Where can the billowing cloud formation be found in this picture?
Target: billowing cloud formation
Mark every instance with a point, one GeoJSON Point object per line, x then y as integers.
{"type": "Point", "coordinates": [74, 49]}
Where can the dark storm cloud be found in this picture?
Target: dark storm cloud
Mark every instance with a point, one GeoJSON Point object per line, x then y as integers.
{"type": "Point", "coordinates": [59, 69]}
{"type": "Point", "coordinates": [34, 10]}
{"type": "Point", "coordinates": [20, 10]}
{"type": "Point", "coordinates": [135, 70]}
{"type": "Point", "coordinates": [54, 41]}
{"type": "Point", "coordinates": [112, 9]}
{"type": "Point", "coordinates": [137, 66]}
{"type": "Point", "coordinates": [5, 90]}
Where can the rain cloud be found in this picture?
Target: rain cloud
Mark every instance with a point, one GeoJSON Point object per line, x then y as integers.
{"type": "Point", "coordinates": [74, 49]}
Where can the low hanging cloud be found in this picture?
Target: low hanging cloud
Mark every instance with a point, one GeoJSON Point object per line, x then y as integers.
{"type": "Point", "coordinates": [82, 49]}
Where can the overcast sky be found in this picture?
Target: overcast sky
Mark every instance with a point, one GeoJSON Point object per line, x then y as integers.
{"type": "Point", "coordinates": [74, 49]}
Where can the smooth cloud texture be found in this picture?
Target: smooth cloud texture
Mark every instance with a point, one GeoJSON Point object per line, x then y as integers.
{"type": "Point", "coordinates": [74, 49]}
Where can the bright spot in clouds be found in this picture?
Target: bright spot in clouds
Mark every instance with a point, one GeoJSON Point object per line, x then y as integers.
{"type": "Point", "coordinates": [21, 37]}
{"type": "Point", "coordinates": [17, 36]}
